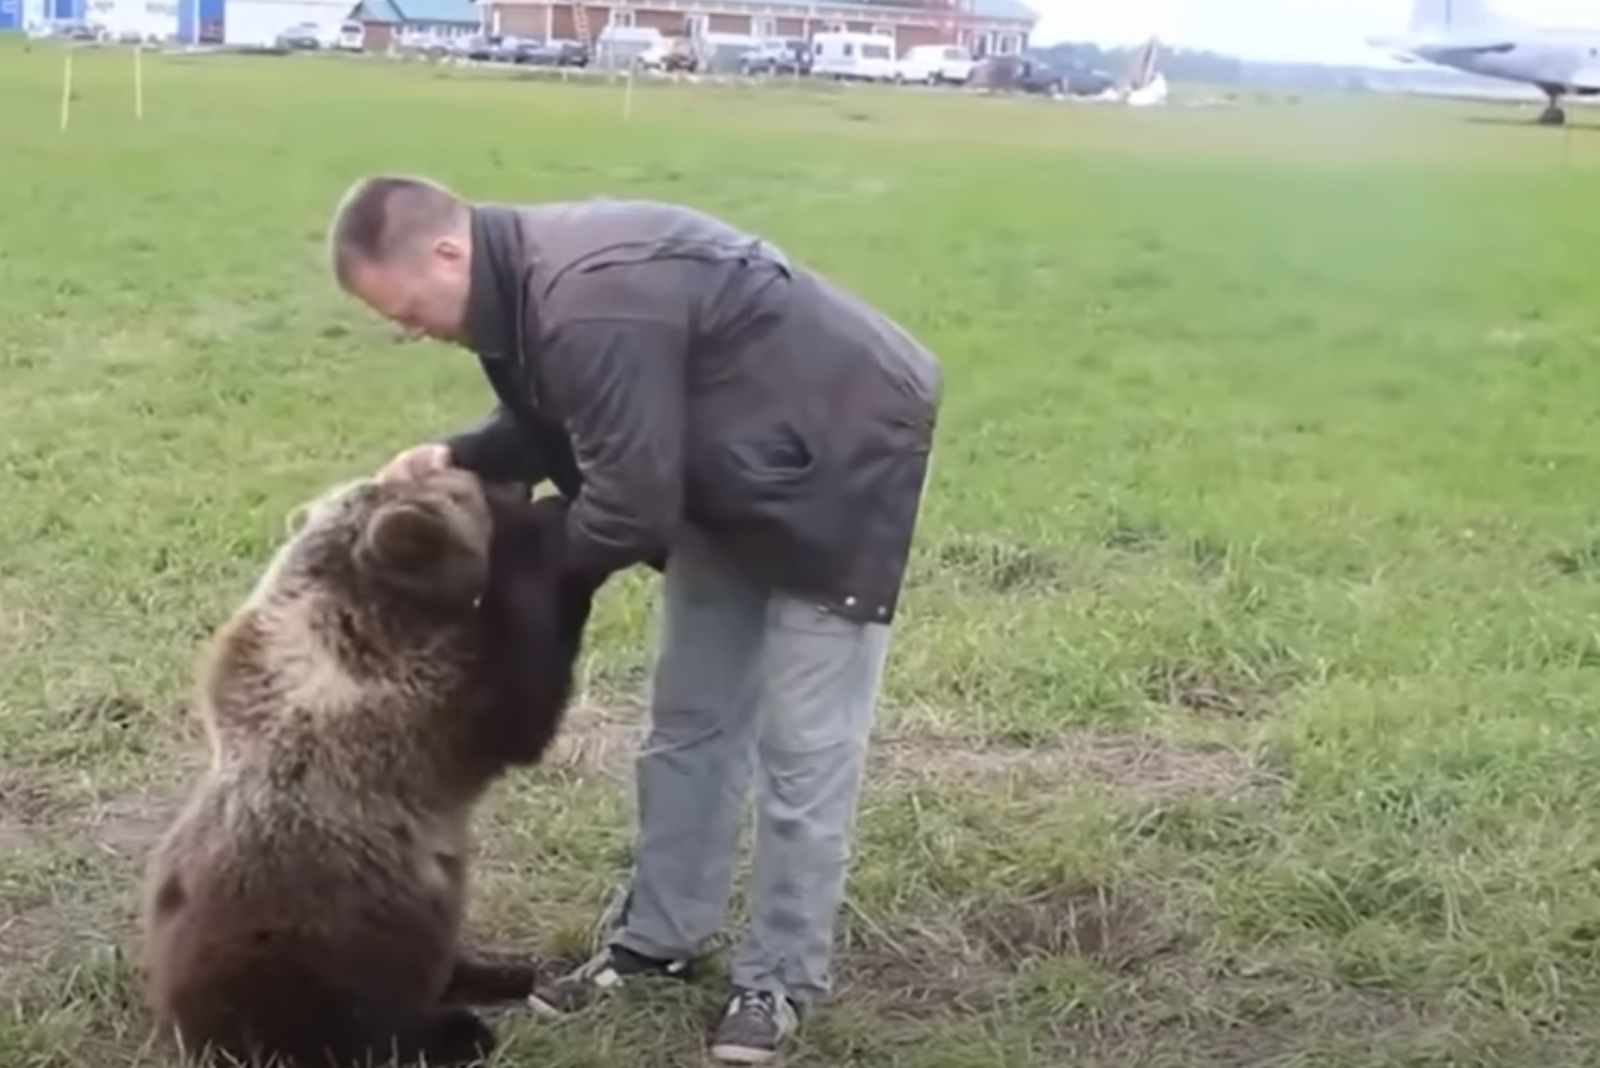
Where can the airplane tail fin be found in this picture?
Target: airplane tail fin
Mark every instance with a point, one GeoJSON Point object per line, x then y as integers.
{"type": "Point", "coordinates": [1435, 15]}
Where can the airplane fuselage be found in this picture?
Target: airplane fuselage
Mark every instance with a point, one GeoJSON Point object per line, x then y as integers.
{"type": "Point", "coordinates": [1556, 61]}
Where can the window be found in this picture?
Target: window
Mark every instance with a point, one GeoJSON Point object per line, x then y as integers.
{"type": "Point", "coordinates": [849, 49]}
{"type": "Point", "coordinates": [880, 30]}
{"type": "Point", "coordinates": [764, 27]}
{"type": "Point", "coordinates": [621, 17]}
{"type": "Point", "coordinates": [1008, 44]}
{"type": "Point", "coordinates": [873, 51]}
{"type": "Point", "coordinates": [696, 26]}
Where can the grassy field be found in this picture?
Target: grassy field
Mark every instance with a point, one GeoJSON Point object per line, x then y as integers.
{"type": "Point", "coordinates": [1245, 709]}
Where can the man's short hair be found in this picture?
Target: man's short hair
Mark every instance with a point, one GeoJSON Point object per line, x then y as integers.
{"type": "Point", "coordinates": [384, 218]}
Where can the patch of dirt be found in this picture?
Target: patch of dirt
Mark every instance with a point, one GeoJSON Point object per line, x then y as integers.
{"type": "Point", "coordinates": [14, 834]}
{"type": "Point", "coordinates": [600, 741]}
{"type": "Point", "coordinates": [1102, 924]}
{"type": "Point", "coordinates": [967, 963]}
{"type": "Point", "coordinates": [33, 940]}
{"type": "Point", "coordinates": [1144, 768]}
{"type": "Point", "coordinates": [130, 826]}
{"type": "Point", "coordinates": [919, 974]}
{"type": "Point", "coordinates": [26, 805]}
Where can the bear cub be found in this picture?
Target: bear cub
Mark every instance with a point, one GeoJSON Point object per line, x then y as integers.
{"type": "Point", "coordinates": [406, 645]}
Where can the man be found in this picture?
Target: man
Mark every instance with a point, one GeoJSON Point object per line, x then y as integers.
{"type": "Point", "coordinates": [761, 436]}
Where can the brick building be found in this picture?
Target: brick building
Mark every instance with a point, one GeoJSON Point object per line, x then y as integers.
{"type": "Point", "coordinates": [987, 27]}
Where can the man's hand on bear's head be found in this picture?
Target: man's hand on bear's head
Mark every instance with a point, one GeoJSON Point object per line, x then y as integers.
{"type": "Point", "coordinates": [416, 462]}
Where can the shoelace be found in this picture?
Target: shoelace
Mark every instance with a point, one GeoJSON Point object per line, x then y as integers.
{"type": "Point", "coordinates": [759, 1003]}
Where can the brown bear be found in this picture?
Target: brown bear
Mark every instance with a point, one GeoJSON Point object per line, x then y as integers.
{"type": "Point", "coordinates": [406, 645]}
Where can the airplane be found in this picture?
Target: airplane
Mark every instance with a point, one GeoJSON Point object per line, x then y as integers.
{"type": "Point", "coordinates": [1141, 85]}
{"type": "Point", "coordinates": [1467, 36]}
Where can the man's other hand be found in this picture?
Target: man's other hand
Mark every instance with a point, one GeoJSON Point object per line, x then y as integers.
{"type": "Point", "coordinates": [416, 462]}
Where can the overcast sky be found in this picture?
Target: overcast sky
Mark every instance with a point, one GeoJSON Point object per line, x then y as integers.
{"type": "Point", "coordinates": [1330, 31]}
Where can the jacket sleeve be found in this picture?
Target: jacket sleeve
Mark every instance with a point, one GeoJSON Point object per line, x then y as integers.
{"type": "Point", "coordinates": [498, 449]}
{"type": "Point", "coordinates": [619, 385]}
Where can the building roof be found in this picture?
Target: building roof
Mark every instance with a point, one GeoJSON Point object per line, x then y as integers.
{"type": "Point", "coordinates": [1005, 9]}
{"type": "Point", "coordinates": [396, 12]}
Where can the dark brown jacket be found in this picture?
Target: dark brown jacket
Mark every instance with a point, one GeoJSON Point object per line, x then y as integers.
{"type": "Point", "coordinates": [662, 367]}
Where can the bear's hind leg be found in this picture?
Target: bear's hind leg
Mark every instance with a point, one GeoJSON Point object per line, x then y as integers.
{"type": "Point", "coordinates": [479, 978]}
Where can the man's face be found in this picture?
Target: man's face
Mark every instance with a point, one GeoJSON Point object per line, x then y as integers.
{"type": "Point", "coordinates": [425, 294]}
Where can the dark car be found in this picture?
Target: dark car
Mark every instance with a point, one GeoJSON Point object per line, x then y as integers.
{"type": "Point", "coordinates": [556, 52]}
{"type": "Point", "coordinates": [1082, 82]}
{"type": "Point", "coordinates": [486, 48]}
{"type": "Point", "coordinates": [1021, 74]}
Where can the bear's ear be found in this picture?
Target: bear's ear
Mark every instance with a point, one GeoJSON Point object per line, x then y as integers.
{"type": "Point", "coordinates": [425, 551]}
{"type": "Point", "coordinates": [296, 520]}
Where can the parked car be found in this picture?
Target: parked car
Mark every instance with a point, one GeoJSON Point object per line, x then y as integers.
{"type": "Point", "coordinates": [1021, 74]}
{"type": "Point", "coordinates": [486, 48]}
{"type": "Point", "coordinates": [352, 37]}
{"type": "Point", "coordinates": [669, 54]}
{"type": "Point", "coordinates": [1083, 82]}
{"type": "Point", "coordinates": [935, 64]}
{"type": "Point", "coordinates": [778, 55]}
{"type": "Point", "coordinates": [619, 47]}
{"type": "Point", "coordinates": [302, 36]}
{"type": "Point", "coordinates": [556, 52]}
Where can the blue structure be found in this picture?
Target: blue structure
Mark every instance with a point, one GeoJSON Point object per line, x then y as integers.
{"type": "Point", "coordinates": [10, 15]}
{"type": "Point", "coordinates": [200, 21]}
{"type": "Point", "coordinates": [66, 10]}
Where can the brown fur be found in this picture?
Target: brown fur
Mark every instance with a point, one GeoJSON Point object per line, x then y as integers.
{"type": "Point", "coordinates": [406, 644]}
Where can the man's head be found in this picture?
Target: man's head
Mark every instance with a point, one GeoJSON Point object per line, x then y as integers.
{"type": "Point", "coordinates": [403, 246]}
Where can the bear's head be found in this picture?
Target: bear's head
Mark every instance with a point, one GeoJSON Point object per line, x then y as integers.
{"type": "Point", "coordinates": [415, 549]}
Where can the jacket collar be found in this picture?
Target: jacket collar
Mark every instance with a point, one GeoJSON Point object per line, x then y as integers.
{"type": "Point", "coordinates": [494, 297]}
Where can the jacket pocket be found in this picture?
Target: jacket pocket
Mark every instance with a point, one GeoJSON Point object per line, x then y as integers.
{"type": "Point", "coordinates": [770, 484]}
{"type": "Point", "coordinates": [769, 466]}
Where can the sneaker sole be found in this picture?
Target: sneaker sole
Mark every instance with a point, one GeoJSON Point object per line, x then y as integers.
{"type": "Point", "coordinates": [729, 1054]}
{"type": "Point", "coordinates": [603, 989]}
{"type": "Point", "coordinates": [549, 1011]}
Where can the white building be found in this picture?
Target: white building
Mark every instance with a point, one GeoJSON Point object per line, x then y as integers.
{"type": "Point", "coordinates": [258, 22]}
{"type": "Point", "coordinates": [145, 18]}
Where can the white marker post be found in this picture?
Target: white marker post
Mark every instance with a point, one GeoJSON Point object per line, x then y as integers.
{"type": "Point", "coordinates": [66, 91]}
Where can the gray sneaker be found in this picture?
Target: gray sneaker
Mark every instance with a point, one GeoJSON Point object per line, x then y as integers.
{"type": "Point", "coordinates": [754, 1028]}
{"type": "Point", "coordinates": [600, 975]}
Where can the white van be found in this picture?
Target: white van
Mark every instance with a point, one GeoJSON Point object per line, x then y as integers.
{"type": "Point", "coordinates": [936, 63]}
{"type": "Point", "coordinates": [625, 46]}
{"type": "Point", "coordinates": [853, 55]}
{"type": "Point", "coordinates": [352, 37]}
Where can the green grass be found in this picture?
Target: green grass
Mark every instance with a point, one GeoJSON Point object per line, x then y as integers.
{"type": "Point", "coordinates": [1244, 711]}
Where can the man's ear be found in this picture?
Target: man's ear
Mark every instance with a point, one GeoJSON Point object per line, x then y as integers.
{"type": "Point", "coordinates": [449, 248]}
{"type": "Point", "coordinates": [422, 550]}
